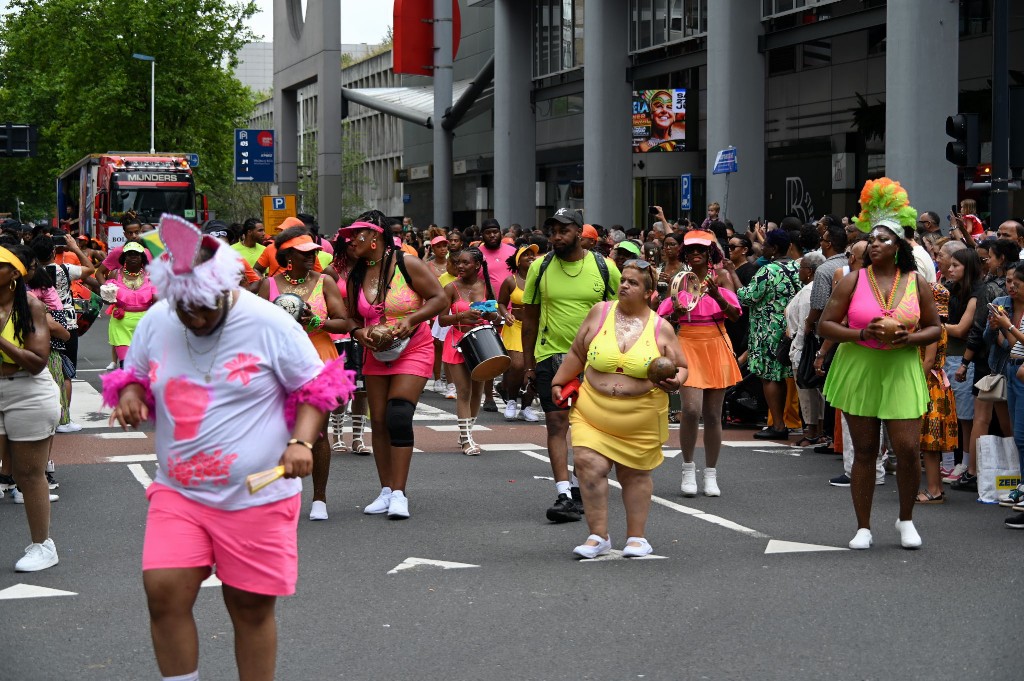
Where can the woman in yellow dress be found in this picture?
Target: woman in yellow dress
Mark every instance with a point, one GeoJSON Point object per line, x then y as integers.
{"type": "Point", "coordinates": [620, 417]}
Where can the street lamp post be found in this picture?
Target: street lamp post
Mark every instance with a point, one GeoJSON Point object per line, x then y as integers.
{"type": "Point", "coordinates": [152, 98]}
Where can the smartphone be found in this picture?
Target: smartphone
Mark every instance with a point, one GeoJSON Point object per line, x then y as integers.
{"type": "Point", "coordinates": [653, 210]}
{"type": "Point", "coordinates": [954, 210]}
{"type": "Point", "coordinates": [569, 393]}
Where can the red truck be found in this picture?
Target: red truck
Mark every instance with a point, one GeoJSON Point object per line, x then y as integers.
{"type": "Point", "coordinates": [98, 190]}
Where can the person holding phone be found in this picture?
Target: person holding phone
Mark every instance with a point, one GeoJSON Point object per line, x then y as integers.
{"type": "Point", "coordinates": [611, 417]}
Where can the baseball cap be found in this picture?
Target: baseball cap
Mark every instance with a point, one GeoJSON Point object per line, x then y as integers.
{"type": "Point", "coordinates": [629, 246]}
{"type": "Point", "coordinates": [216, 228]}
{"type": "Point", "coordinates": [290, 222]}
{"type": "Point", "coordinates": [565, 216]}
{"type": "Point", "coordinates": [589, 232]}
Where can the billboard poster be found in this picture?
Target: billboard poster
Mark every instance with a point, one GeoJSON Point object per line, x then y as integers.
{"type": "Point", "coordinates": [659, 120]}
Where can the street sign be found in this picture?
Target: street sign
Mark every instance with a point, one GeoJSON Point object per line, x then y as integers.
{"type": "Point", "coordinates": [406, 198]}
{"type": "Point", "coordinates": [254, 155]}
{"type": "Point", "coordinates": [686, 192]}
{"type": "Point", "coordinates": [275, 210]}
{"type": "Point", "coordinates": [725, 162]}
{"type": "Point", "coordinates": [193, 160]}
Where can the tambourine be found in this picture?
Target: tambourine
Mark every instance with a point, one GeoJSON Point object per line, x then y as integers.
{"type": "Point", "coordinates": [687, 281]}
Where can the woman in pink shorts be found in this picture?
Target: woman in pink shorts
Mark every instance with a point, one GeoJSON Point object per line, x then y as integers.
{"type": "Point", "coordinates": [391, 297]}
{"type": "Point", "coordinates": [235, 388]}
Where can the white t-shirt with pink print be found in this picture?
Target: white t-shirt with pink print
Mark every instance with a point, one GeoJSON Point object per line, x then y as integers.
{"type": "Point", "coordinates": [211, 436]}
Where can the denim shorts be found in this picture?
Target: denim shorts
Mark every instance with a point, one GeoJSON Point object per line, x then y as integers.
{"type": "Point", "coordinates": [961, 391]}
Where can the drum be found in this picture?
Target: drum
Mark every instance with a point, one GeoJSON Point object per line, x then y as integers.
{"type": "Point", "coordinates": [484, 353]}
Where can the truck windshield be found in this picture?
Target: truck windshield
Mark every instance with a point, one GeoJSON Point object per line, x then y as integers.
{"type": "Point", "coordinates": [150, 204]}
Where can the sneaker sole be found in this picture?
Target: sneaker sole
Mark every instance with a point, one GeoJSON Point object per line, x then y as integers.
{"type": "Point", "coordinates": [839, 484]}
{"type": "Point", "coordinates": [1013, 526]}
{"type": "Point", "coordinates": [562, 517]}
{"type": "Point", "coordinates": [37, 569]}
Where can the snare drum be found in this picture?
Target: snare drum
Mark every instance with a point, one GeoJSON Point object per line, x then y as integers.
{"type": "Point", "coordinates": [484, 353]}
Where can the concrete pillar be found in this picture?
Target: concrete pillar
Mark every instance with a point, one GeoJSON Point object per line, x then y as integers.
{"type": "Point", "coordinates": [607, 94]}
{"type": "Point", "coordinates": [921, 83]}
{"type": "Point", "coordinates": [515, 127]}
{"type": "Point", "coordinates": [328, 117]}
{"type": "Point", "coordinates": [735, 106]}
{"type": "Point", "coordinates": [286, 138]}
{"type": "Point", "coordinates": [443, 82]}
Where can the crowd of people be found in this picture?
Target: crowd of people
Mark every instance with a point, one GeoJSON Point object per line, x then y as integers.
{"type": "Point", "coordinates": [870, 335]}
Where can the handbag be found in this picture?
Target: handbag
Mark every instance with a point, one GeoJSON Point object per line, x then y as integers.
{"type": "Point", "coordinates": [782, 352]}
{"type": "Point", "coordinates": [805, 375]}
{"type": "Point", "coordinates": [992, 388]}
{"type": "Point", "coordinates": [67, 366]}
{"type": "Point", "coordinates": [378, 334]}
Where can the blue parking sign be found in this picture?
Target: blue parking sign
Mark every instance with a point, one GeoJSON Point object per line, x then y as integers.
{"type": "Point", "coordinates": [278, 202]}
{"type": "Point", "coordinates": [686, 192]}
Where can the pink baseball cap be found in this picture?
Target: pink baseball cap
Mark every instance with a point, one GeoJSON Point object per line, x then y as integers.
{"type": "Point", "coordinates": [439, 240]}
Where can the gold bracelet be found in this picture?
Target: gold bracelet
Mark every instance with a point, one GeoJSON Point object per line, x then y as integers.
{"type": "Point", "coordinates": [296, 441]}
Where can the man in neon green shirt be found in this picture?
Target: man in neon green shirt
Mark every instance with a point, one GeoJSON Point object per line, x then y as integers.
{"type": "Point", "coordinates": [556, 302]}
{"type": "Point", "coordinates": [250, 244]}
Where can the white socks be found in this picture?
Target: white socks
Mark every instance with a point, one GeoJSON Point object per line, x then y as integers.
{"type": "Point", "coordinates": [563, 487]}
{"type": "Point", "coordinates": [194, 676]}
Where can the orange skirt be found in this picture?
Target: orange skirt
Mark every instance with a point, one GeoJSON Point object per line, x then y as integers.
{"type": "Point", "coordinates": [709, 358]}
{"type": "Point", "coordinates": [324, 345]}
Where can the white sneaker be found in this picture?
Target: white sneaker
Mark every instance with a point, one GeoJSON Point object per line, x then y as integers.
{"type": "Point", "coordinates": [37, 557]}
{"type": "Point", "coordinates": [604, 545]}
{"type": "Point", "coordinates": [380, 504]}
{"type": "Point", "coordinates": [19, 498]}
{"type": "Point", "coordinates": [398, 507]}
{"type": "Point", "coordinates": [451, 394]}
{"type": "Point", "coordinates": [511, 410]}
{"type": "Point", "coordinates": [711, 483]}
{"type": "Point", "coordinates": [318, 511]}
{"type": "Point", "coordinates": [440, 386]}
{"type": "Point", "coordinates": [111, 366]}
{"type": "Point", "coordinates": [958, 470]}
{"type": "Point", "coordinates": [909, 538]}
{"type": "Point", "coordinates": [69, 427]}
{"type": "Point", "coordinates": [689, 485]}
{"type": "Point", "coordinates": [642, 548]}
{"type": "Point", "coordinates": [528, 414]}
{"type": "Point", "coordinates": [861, 540]}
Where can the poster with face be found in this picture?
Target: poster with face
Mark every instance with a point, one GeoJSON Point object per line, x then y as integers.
{"type": "Point", "coordinates": [659, 120]}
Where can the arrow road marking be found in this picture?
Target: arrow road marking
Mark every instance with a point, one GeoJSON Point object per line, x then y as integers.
{"type": "Point", "coordinates": [31, 591]}
{"type": "Point", "coordinates": [140, 474]}
{"type": "Point", "coordinates": [212, 580]}
{"type": "Point", "coordinates": [617, 555]}
{"type": "Point", "coordinates": [409, 563]}
{"type": "Point", "coordinates": [779, 546]}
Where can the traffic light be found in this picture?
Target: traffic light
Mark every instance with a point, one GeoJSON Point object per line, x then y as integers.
{"type": "Point", "coordinates": [965, 149]}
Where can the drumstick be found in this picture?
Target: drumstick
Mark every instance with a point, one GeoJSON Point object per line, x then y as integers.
{"type": "Point", "coordinates": [258, 481]}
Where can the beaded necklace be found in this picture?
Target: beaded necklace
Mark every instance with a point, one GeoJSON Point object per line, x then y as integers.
{"type": "Point", "coordinates": [885, 304]}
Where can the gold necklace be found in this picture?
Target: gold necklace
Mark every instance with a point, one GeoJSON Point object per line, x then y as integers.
{"type": "Point", "coordinates": [132, 280]}
{"type": "Point", "coordinates": [582, 261]}
{"type": "Point", "coordinates": [885, 304]}
{"type": "Point", "coordinates": [207, 373]}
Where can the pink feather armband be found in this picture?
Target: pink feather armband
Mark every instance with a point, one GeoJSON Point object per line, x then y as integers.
{"type": "Point", "coordinates": [332, 387]}
{"type": "Point", "coordinates": [116, 381]}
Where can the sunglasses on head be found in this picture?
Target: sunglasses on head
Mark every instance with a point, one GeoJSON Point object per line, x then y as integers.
{"type": "Point", "coordinates": [637, 263]}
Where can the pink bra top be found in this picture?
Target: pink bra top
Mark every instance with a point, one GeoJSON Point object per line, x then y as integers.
{"type": "Point", "coordinates": [864, 308]}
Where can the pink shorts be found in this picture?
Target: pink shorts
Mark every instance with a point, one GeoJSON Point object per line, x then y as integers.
{"type": "Point", "coordinates": [255, 549]}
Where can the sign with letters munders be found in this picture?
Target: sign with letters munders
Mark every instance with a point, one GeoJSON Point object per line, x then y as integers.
{"type": "Point", "coordinates": [659, 120]}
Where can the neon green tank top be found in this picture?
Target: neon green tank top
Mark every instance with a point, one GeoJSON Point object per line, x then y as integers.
{"type": "Point", "coordinates": [604, 354]}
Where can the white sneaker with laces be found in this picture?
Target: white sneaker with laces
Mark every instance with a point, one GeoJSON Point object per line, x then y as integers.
{"type": "Point", "coordinates": [111, 366]}
{"type": "Point", "coordinates": [958, 470]}
{"type": "Point", "coordinates": [689, 484]}
{"type": "Point", "coordinates": [19, 498]}
{"type": "Point", "coordinates": [318, 511]}
{"type": "Point", "coordinates": [380, 504]}
{"type": "Point", "coordinates": [69, 427]}
{"type": "Point", "coordinates": [37, 557]}
{"type": "Point", "coordinates": [711, 483]}
{"type": "Point", "coordinates": [451, 394]}
{"type": "Point", "coordinates": [440, 386]}
{"type": "Point", "coordinates": [528, 414]}
{"type": "Point", "coordinates": [398, 507]}
{"type": "Point", "coordinates": [511, 410]}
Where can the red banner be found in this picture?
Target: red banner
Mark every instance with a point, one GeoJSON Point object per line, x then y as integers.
{"type": "Point", "coordinates": [414, 36]}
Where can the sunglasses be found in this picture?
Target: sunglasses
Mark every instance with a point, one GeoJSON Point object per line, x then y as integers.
{"type": "Point", "coordinates": [733, 247]}
{"type": "Point", "coordinates": [688, 250]}
{"type": "Point", "coordinates": [637, 263]}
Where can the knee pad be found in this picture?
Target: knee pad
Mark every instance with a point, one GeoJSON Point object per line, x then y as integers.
{"type": "Point", "coordinates": [399, 420]}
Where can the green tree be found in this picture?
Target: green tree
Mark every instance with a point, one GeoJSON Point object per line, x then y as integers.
{"type": "Point", "coordinates": [67, 67]}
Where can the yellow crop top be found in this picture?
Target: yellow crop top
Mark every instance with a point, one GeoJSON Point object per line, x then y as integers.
{"type": "Point", "coordinates": [604, 354]}
{"type": "Point", "coordinates": [8, 333]}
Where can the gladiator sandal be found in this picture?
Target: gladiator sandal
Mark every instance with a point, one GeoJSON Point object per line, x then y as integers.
{"type": "Point", "coordinates": [469, 448]}
{"type": "Point", "coordinates": [337, 432]}
{"type": "Point", "coordinates": [358, 446]}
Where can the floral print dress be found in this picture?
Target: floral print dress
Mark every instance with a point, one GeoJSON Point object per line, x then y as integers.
{"type": "Point", "coordinates": [767, 296]}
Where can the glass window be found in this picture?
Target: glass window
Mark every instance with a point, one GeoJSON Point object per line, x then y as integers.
{"type": "Point", "coordinates": [659, 22]}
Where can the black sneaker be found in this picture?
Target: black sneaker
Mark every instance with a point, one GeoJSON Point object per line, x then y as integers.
{"type": "Point", "coordinates": [564, 510]}
{"type": "Point", "coordinates": [772, 434]}
{"type": "Point", "coordinates": [1015, 521]}
{"type": "Point", "coordinates": [966, 483]}
{"type": "Point", "coordinates": [840, 481]}
{"type": "Point", "coordinates": [577, 499]}
{"type": "Point", "coordinates": [6, 482]}
{"type": "Point", "coordinates": [489, 405]}
{"type": "Point", "coordinates": [51, 481]}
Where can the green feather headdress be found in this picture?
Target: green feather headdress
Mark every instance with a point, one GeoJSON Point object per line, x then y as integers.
{"type": "Point", "coordinates": [884, 202]}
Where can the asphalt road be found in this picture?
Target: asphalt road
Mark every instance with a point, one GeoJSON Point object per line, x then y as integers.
{"type": "Point", "coordinates": [718, 604]}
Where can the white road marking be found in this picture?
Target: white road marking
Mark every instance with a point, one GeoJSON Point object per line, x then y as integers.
{"type": "Point", "coordinates": [779, 546]}
{"type": "Point", "coordinates": [455, 429]}
{"type": "Point", "coordinates": [787, 451]}
{"type": "Point", "coordinates": [416, 562]}
{"type": "Point", "coordinates": [131, 458]}
{"type": "Point", "coordinates": [87, 407]}
{"type": "Point", "coordinates": [695, 512]}
{"type": "Point", "coordinates": [617, 555]}
{"type": "Point", "coordinates": [519, 446]}
{"type": "Point", "coordinates": [671, 453]}
{"type": "Point", "coordinates": [122, 435]}
{"type": "Point", "coordinates": [140, 474]}
{"type": "Point", "coordinates": [212, 580]}
{"type": "Point", "coordinates": [31, 591]}
{"type": "Point", "coordinates": [747, 443]}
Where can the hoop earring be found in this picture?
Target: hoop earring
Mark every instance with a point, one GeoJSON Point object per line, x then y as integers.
{"type": "Point", "coordinates": [373, 246]}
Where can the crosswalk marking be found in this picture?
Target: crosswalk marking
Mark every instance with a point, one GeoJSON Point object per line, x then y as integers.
{"type": "Point", "coordinates": [87, 408]}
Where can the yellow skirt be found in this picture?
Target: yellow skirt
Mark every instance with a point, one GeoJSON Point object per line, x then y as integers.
{"type": "Point", "coordinates": [512, 336]}
{"type": "Point", "coordinates": [627, 430]}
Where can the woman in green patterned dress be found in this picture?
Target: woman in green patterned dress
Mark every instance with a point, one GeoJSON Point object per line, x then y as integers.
{"type": "Point", "coordinates": [767, 295]}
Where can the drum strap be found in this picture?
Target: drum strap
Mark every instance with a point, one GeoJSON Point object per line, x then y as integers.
{"type": "Point", "coordinates": [602, 267]}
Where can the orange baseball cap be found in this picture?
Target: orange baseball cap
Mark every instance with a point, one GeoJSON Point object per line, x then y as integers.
{"type": "Point", "coordinates": [589, 232]}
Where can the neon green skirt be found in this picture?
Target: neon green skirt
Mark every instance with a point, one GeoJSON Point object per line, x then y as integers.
{"type": "Point", "coordinates": [885, 384]}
